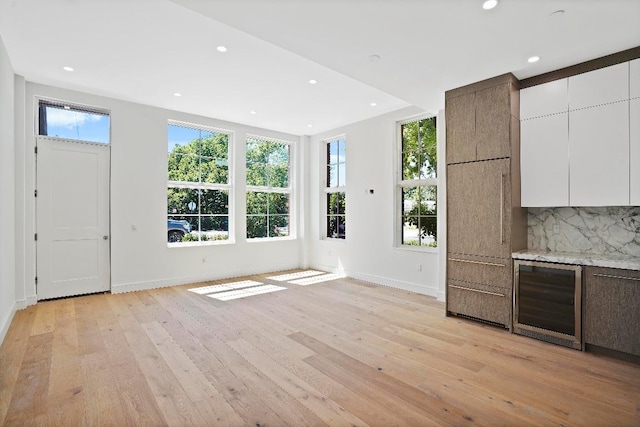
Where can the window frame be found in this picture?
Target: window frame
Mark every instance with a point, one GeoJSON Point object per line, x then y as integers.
{"type": "Point", "coordinates": [289, 190]}
{"type": "Point", "coordinates": [59, 103]}
{"type": "Point", "coordinates": [228, 187]}
{"type": "Point", "coordinates": [328, 190]}
{"type": "Point", "coordinates": [401, 184]}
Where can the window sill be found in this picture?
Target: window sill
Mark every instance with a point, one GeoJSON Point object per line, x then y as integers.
{"type": "Point", "coordinates": [270, 239]}
{"type": "Point", "coordinates": [197, 244]}
{"type": "Point", "coordinates": [423, 249]}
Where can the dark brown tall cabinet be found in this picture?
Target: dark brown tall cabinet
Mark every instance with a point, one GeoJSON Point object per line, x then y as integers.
{"type": "Point", "coordinates": [485, 222]}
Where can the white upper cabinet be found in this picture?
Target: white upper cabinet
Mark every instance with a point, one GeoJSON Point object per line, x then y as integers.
{"type": "Point", "coordinates": [582, 134]}
{"type": "Point", "coordinates": [543, 100]}
{"type": "Point", "coordinates": [634, 152]}
{"type": "Point", "coordinates": [603, 86]}
{"type": "Point", "coordinates": [599, 155]}
{"type": "Point", "coordinates": [544, 161]}
{"type": "Point", "coordinates": [634, 79]}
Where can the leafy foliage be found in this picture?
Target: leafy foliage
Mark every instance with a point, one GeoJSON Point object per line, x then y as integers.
{"type": "Point", "coordinates": [267, 166]}
{"type": "Point", "coordinates": [419, 161]}
{"type": "Point", "coordinates": [203, 160]}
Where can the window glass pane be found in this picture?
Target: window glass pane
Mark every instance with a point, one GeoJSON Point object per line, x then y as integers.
{"type": "Point", "coordinates": [278, 225]}
{"type": "Point", "coordinates": [69, 122]}
{"type": "Point", "coordinates": [341, 174]}
{"type": "Point", "coordinates": [410, 233]}
{"type": "Point", "coordinates": [428, 230]}
{"type": "Point", "coordinates": [428, 198]}
{"type": "Point", "coordinates": [256, 226]}
{"type": "Point", "coordinates": [214, 171]}
{"type": "Point", "coordinates": [182, 201]}
{"type": "Point", "coordinates": [336, 227]}
{"type": "Point", "coordinates": [183, 140]}
{"type": "Point", "coordinates": [214, 227]}
{"type": "Point", "coordinates": [342, 156]}
{"type": "Point", "coordinates": [278, 203]}
{"type": "Point", "coordinates": [332, 180]}
{"type": "Point", "coordinates": [178, 227]}
{"type": "Point", "coordinates": [410, 144]}
{"type": "Point", "coordinates": [332, 152]}
{"type": "Point", "coordinates": [278, 175]}
{"type": "Point", "coordinates": [278, 153]}
{"type": "Point", "coordinates": [214, 202]}
{"type": "Point", "coordinates": [257, 174]}
{"type": "Point", "coordinates": [257, 202]}
{"type": "Point", "coordinates": [428, 149]}
{"type": "Point", "coordinates": [183, 167]}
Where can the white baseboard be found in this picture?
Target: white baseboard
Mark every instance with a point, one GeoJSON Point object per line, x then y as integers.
{"type": "Point", "coordinates": [187, 280]}
{"type": "Point", "coordinates": [384, 281]}
{"type": "Point", "coordinates": [442, 296]}
{"type": "Point", "coordinates": [6, 322]}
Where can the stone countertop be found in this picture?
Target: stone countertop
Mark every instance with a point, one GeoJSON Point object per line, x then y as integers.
{"type": "Point", "coordinates": [626, 262]}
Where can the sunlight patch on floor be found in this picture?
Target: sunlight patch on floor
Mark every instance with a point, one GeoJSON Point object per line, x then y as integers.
{"type": "Point", "coordinates": [205, 290]}
{"type": "Point", "coordinates": [316, 279]}
{"type": "Point", "coordinates": [293, 276]}
{"type": "Point", "coordinates": [246, 292]}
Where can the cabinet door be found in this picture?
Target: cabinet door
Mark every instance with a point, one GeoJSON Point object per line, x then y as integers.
{"type": "Point", "coordinates": [479, 208]}
{"type": "Point", "coordinates": [599, 155]}
{"type": "Point", "coordinates": [543, 100]}
{"type": "Point", "coordinates": [611, 316]}
{"type": "Point", "coordinates": [544, 161]}
{"type": "Point", "coordinates": [634, 79]}
{"type": "Point", "coordinates": [493, 122]}
{"type": "Point", "coordinates": [461, 128]}
{"type": "Point", "coordinates": [606, 85]}
{"type": "Point", "coordinates": [634, 152]}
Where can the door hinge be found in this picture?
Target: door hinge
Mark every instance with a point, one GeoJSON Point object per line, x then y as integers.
{"type": "Point", "coordinates": [35, 150]}
{"type": "Point", "coordinates": [35, 193]}
{"type": "Point", "coordinates": [35, 236]}
{"type": "Point", "coordinates": [36, 280]}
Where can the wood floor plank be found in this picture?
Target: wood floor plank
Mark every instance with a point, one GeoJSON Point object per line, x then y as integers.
{"type": "Point", "coordinates": [29, 395]}
{"type": "Point", "coordinates": [12, 353]}
{"type": "Point", "coordinates": [335, 352]}
{"type": "Point", "coordinates": [326, 410]}
{"type": "Point", "coordinates": [66, 394]}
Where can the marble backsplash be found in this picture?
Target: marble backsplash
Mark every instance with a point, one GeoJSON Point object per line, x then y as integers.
{"type": "Point", "coordinates": [601, 230]}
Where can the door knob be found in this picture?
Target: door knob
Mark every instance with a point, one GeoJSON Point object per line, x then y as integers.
{"type": "Point", "coordinates": [105, 237]}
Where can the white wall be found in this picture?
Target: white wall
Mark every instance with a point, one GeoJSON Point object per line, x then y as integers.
{"type": "Point", "coordinates": [140, 258]}
{"type": "Point", "coordinates": [7, 193]}
{"type": "Point", "coordinates": [369, 252]}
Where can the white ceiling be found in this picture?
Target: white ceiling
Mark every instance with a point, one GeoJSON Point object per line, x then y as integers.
{"type": "Point", "coordinates": [146, 50]}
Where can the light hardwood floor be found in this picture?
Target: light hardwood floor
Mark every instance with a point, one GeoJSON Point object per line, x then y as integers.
{"type": "Point", "coordinates": [339, 352]}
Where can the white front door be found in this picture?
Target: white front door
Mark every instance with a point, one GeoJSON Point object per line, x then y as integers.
{"type": "Point", "coordinates": [72, 201]}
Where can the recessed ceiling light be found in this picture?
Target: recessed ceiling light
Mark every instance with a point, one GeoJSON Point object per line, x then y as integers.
{"type": "Point", "coordinates": [309, 126]}
{"type": "Point", "coordinates": [68, 68]}
{"type": "Point", "coordinates": [312, 82]}
{"type": "Point", "coordinates": [221, 49]}
{"type": "Point", "coordinates": [489, 4]}
{"type": "Point", "coordinates": [177, 94]}
{"type": "Point", "coordinates": [533, 59]}
{"type": "Point", "coordinates": [252, 112]}
{"type": "Point", "coordinates": [373, 104]}
{"type": "Point", "coordinates": [374, 58]}
{"type": "Point", "coordinates": [557, 13]}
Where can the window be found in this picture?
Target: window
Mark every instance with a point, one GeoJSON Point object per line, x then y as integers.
{"type": "Point", "coordinates": [418, 185]}
{"type": "Point", "coordinates": [67, 121]}
{"type": "Point", "coordinates": [198, 184]}
{"type": "Point", "coordinates": [335, 189]}
{"type": "Point", "coordinates": [268, 188]}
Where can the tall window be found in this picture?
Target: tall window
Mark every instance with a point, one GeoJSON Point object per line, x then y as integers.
{"type": "Point", "coordinates": [335, 189]}
{"type": "Point", "coordinates": [418, 183]}
{"type": "Point", "coordinates": [61, 120]}
{"type": "Point", "coordinates": [198, 184]}
{"type": "Point", "coordinates": [268, 188]}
